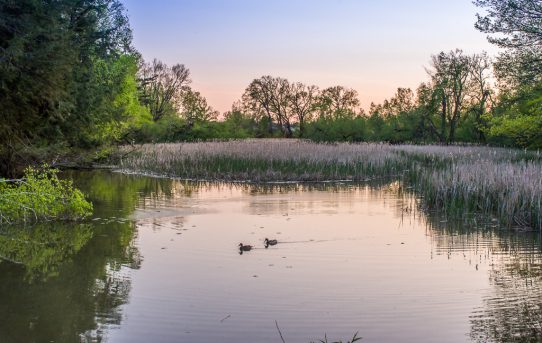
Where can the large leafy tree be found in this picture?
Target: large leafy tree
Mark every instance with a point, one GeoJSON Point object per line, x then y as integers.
{"type": "Point", "coordinates": [269, 98]}
{"type": "Point", "coordinates": [459, 91]}
{"type": "Point", "coordinates": [338, 102]}
{"type": "Point", "coordinates": [194, 108]}
{"type": "Point", "coordinates": [515, 25]}
{"type": "Point", "coordinates": [449, 74]}
{"type": "Point", "coordinates": [303, 101]}
{"type": "Point", "coordinates": [163, 87]}
{"type": "Point", "coordinates": [50, 52]}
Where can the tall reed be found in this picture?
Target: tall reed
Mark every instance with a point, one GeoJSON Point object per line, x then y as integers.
{"type": "Point", "coordinates": [506, 183]}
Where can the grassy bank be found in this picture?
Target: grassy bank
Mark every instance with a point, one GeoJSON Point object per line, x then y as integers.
{"type": "Point", "coordinates": [506, 183]}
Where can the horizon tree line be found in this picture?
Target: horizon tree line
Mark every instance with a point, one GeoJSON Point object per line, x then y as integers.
{"type": "Point", "coordinates": [458, 96]}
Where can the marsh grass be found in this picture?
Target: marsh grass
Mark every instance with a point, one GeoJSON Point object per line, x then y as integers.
{"type": "Point", "coordinates": [505, 183]}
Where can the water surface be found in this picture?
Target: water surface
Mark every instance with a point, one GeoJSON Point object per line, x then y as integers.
{"type": "Point", "coordinates": [159, 263]}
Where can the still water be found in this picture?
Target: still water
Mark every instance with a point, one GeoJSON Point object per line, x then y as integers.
{"type": "Point", "coordinates": [159, 262]}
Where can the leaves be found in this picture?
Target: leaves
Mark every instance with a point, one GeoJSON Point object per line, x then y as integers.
{"type": "Point", "coordinates": [41, 196]}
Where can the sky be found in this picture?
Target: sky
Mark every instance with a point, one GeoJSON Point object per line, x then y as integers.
{"type": "Point", "coordinates": [373, 46]}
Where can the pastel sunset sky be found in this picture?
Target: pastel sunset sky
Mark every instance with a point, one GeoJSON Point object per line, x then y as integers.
{"type": "Point", "coordinates": [373, 46]}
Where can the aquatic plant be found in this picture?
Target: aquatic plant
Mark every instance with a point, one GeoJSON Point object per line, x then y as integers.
{"type": "Point", "coordinates": [355, 338]}
{"type": "Point", "coordinates": [260, 160]}
{"type": "Point", "coordinates": [506, 183]}
{"type": "Point", "coordinates": [41, 196]}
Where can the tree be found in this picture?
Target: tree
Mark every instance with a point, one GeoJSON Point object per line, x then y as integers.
{"type": "Point", "coordinates": [514, 25]}
{"type": "Point", "coordinates": [194, 108]}
{"type": "Point", "coordinates": [280, 104]}
{"type": "Point", "coordinates": [162, 87]}
{"type": "Point", "coordinates": [518, 20]}
{"type": "Point", "coordinates": [48, 54]}
{"type": "Point", "coordinates": [428, 106]}
{"type": "Point", "coordinates": [401, 102]}
{"type": "Point", "coordinates": [516, 119]}
{"type": "Point", "coordinates": [257, 100]}
{"type": "Point", "coordinates": [303, 100]}
{"type": "Point", "coordinates": [481, 92]}
{"type": "Point", "coordinates": [338, 101]}
{"type": "Point", "coordinates": [399, 119]}
{"type": "Point", "coordinates": [119, 111]}
{"type": "Point", "coordinates": [270, 97]}
{"type": "Point", "coordinates": [449, 74]}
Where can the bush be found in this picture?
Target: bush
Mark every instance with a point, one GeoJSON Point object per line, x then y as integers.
{"type": "Point", "coordinates": [41, 196]}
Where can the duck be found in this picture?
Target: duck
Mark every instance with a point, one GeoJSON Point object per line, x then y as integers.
{"type": "Point", "coordinates": [243, 247]}
{"type": "Point", "coordinates": [269, 242]}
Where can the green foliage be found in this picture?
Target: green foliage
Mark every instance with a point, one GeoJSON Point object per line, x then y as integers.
{"type": "Point", "coordinates": [238, 125]}
{"type": "Point", "coordinates": [115, 110]}
{"type": "Point", "coordinates": [172, 128]}
{"type": "Point", "coordinates": [517, 120]}
{"type": "Point", "coordinates": [54, 49]}
{"type": "Point", "coordinates": [523, 131]}
{"type": "Point", "coordinates": [195, 108]}
{"type": "Point", "coordinates": [515, 26]}
{"type": "Point", "coordinates": [67, 75]}
{"type": "Point", "coordinates": [166, 129]}
{"type": "Point", "coordinates": [41, 196]}
{"type": "Point", "coordinates": [337, 130]}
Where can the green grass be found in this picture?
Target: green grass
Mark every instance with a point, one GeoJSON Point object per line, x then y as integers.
{"type": "Point", "coordinates": [505, 183]}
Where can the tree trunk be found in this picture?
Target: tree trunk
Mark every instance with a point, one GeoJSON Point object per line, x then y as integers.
{"type": "Point", "coordinates": [451, 135]}
{"type": "Point", "coordinates": [269, 124]}
{"type": "Point", "coordinates": [288, 130]}
{"type": "Point", "coordinates": [443, 121]}
{"type": "Point", "coordinates": [7, 167]}
{"type": "Point", "coordinates": [479, 122]}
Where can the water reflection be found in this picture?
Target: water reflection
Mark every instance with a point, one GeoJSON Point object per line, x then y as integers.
{"type": "Point", "coordinates": [41, 249]}
{"type": "Point", "coordinates": [67, 282]}
{"type": "Point", "coordinates": [350, 257]}
{"type": "Point", "coordinates": [511, 310]}
{"type": "Point", "coordinates": [510, 307]}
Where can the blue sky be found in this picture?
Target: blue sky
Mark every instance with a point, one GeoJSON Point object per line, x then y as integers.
{"type": "Point", "coordinates": [372, 46]}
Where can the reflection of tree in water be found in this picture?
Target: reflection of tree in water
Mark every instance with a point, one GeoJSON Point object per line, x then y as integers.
{"type": "Point", "coordinates": [512, 309]}
{"type": "Point", "coordinates": [57, 292]}
{"type": "Point", "coordinates": [42, 248]}
{"type": "Point", "coordinates": [67, 282]}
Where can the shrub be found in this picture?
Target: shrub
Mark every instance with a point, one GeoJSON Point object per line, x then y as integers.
{"type": "Point", "coordinates": [41, 196]}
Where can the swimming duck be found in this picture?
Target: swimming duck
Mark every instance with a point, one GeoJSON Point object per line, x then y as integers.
{"type": "Point", "coordinates": [269, 242]}
{"type": "Point", "coordinates": [243, 247]}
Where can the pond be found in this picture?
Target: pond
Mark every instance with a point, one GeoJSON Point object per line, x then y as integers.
{"type": "Point", "coordinates": [160, 262]}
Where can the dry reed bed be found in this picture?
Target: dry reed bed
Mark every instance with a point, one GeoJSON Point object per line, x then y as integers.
{"type": "Point", "coordinates": [504, 182]}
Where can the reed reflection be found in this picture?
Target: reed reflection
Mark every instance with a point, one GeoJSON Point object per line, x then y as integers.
{"type": "Point", "coordinates": [510, 310]}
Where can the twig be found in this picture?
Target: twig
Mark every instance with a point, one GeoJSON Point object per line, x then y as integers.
{"type": "Point", "coordinates": [280, 333]}
{"type": "Point", "coordinates": [12, 180]}
{"type": "Point", "coordinates": [134, 149]}
{"type": "Point", "coordinates": [223, 319]}
{"type": "Point", "coordinates": [9, 260]}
